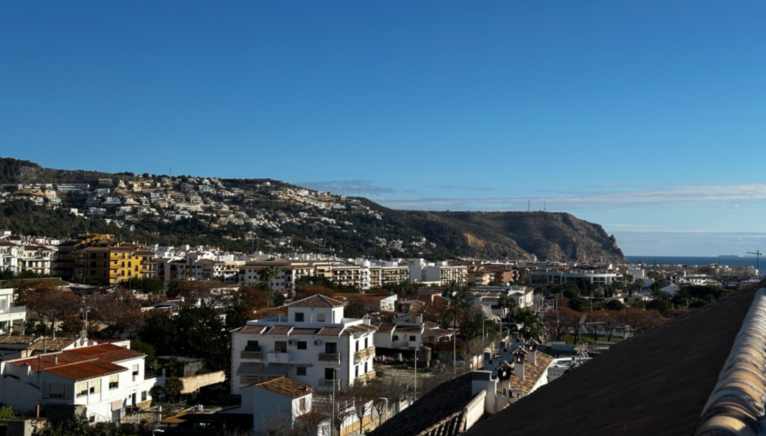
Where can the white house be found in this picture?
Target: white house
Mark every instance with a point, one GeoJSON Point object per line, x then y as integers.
{"type": "Point", "coordinates": [10, 316]}
{"type": "Point", "coordinates": [313, 344]}
{"type": "Point", "coordinates": [99, 381]}
{"type": "Point", "coordinates": [282, 401]}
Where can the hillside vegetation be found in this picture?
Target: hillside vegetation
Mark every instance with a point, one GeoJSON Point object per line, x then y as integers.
{"type": "Point", "coordinates": [513, 235]}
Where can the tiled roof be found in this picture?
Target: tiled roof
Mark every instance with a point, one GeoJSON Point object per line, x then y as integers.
{"type": "Point", "coordinates": [532, 373]}
{"type": "Point", "coordinates": [107, 352]}
{"type": "Point", "coordinates": [86, 369]}
{"type": "Point", "coordinates": [304, 331]}
{"type": "Point", "coordinates": [280, 330]}
{"type": "Point", "coordinates": [360, 328]}
{"type": "Point", "coordinates": [287, 387]}
{"type": "Point", "coordinates": [330, 331]}
{"type": "Point", "coordinates": [386, 327]}
{"type": "Point", "coordinates": [442, 402]}
{"type": "Point", "coordinates": [17, 340]}
{"type": "Point", "coordinates": [317, 300]}
{"type": "Point", "coordinates": [49, 345]}
{"type": "Point", "coordinates": [253, 329]}
{"type": "Point", "coordinates": [654, 384]}
{"type": "Point", "coordinates": [44, 361]}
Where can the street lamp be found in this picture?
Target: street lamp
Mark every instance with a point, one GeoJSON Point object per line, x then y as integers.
{"type": "Point", "coordinates": [416, 373]}
{"type": "Point", "coordinates": [332, 419]}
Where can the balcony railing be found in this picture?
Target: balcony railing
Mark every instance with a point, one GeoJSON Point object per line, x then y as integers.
{"type": "Point", "coordinates": [329, 357]}
{"type": "Point", "coordinates": [364, 378]}
{"type": "Point", "coordinates": [329, 383]}
{"type": "Point", "coordinates": [250, 355]}
{"type": "Point", "coordinates": [363, 354]}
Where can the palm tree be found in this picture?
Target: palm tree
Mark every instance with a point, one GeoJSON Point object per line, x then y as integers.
{"type": "Point", "coordinates": [456, 309]}
{"type": "Point", "coordinates": [270, 273]}
{"type": "Point", "coordinates": [529, 323]}
{"type": "Point", "coordinates": [510, 304]}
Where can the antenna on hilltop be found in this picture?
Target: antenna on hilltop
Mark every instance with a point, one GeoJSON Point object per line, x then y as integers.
{"type": "Point", "coordinates": [758, 255]}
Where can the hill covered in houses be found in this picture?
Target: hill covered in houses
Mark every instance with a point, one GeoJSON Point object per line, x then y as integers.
{"type": "Point", "coordinates": [245, 214]}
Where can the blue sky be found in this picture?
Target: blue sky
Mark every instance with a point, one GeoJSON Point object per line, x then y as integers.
{"type": "Point", "coordinates": [646, 117]}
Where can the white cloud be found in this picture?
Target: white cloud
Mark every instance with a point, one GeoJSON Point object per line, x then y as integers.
{"type": "Point", "coordinates": [609, 196]}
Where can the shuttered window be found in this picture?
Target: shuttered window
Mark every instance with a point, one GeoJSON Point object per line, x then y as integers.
{"type": "Point", "coordinates": [81, 389]}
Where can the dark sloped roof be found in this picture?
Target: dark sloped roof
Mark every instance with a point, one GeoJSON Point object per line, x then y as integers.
{"type": "Point", "coordinates": [655, 384]}
{"type": "Point", "coordinates": [317, 300]}
{"type": "Point", "coordinates": [446, 399]}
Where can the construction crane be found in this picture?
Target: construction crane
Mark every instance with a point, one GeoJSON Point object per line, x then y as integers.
{"type": "Point", "coordinates": [757, 260]}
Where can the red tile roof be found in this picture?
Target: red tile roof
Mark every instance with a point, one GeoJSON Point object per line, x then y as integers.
{"type": "Point", "coordinates": [107, 352]}
{"type": "Point", "coordinates": [280, 330]}
{"type": "Point", "coordinates": [253, 329]}
{"type": "Point", "coordinates": [86, 370]}
{"type": "Point", "coordinates": [330, 331]}
{"type": "Point", "coordinates": [304, 331]}
{"type": "Point", "coordinates": [45, 361]}
{"type": "Point", "coordinates": [287, 387]}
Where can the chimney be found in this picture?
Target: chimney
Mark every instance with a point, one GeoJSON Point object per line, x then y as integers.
{"type": "Point", "coordinates": [532, 355]}
{"type": "Point", "coordinates": [519, 357]}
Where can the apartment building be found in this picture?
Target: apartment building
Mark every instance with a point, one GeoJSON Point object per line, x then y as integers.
{"type": "Point", "coordinates": [11, 317]}
{"type": "Point", "coordinates": [383, 272]}
{"type": "Point", "coordinates": [545, 277]}
{"type": "Point", "coordinates": [20, 255]}
{"type": "Point", "coordinates": [314, 344]}
{"type": "Point", "coordinates": [99, 382]}
{"type": "Point", "coordinates": [68, 251]}
{"type": "Point", "coordinates": [116, 261]}
{"type": "Point", "coordinates": [288, 272]}
{"type": "Point", "coordinates": [440, 272]}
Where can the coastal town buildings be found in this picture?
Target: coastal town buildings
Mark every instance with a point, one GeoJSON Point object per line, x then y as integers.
{"type": "Point", "coordinates": [314, 344]}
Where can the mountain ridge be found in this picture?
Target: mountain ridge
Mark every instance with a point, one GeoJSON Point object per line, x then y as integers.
{"type": "Point", "coordinates": [346, 227]}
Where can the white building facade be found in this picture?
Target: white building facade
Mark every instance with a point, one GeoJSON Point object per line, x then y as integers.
{"type": "Point", "coordinates": [313, 344]}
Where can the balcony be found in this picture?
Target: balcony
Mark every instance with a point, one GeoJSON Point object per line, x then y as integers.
{"type": "Point", "coordinates": [250, 355]}
{"type": "Point", "coordinates": [329, 357]}
{"type": "Point", "coordinates": [364, 378]}
{"type": "Point", "coordinates": [277, 357]}
{"type": "Point", "coordinates": [329, 383]}
{"type": "Point", "coordinates": [363, 354]}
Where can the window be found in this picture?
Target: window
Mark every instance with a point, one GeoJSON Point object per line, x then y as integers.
{"type": "Point", "coordinates": [54, 390]}
{"type": "Point", "coordinates": [143, 396]}
{"type": "Point", "coordinates": [412, 338]}
{"type": "Point", "coordinates": [320, 317]}
{"type": "Point", "coordinates": [114, 381]}
{"type": "Point", "coordinates": [357, 371]}
{"type": "Point", "coordinates": [366, 344]}
{"type": "Point", "coordinates": [95, 386]}
{"type": "Point", "coordinates": [301, 370]}
{"type": "Point", "coordinates": [299, 317]}
{"type": "Point", "coordinates": [252, 346]}
{"type": "Point", "coordinates": [280, 346]}
{"type": "Point", "coordinates": [248, 379]}
{"type": "Point", "coordinates": [330, 347]}
{"type": "Point", "coordinates": [357, 345]}
{"type": "Point", "coordinates": [303, 404]}
{"type": "Point", "coordinates": [135, 372]}
{"type": "Point", "coordinates": [301, 345]}
{"type": "Point", "coordinates": [81, 389]}
{"type": "Point", "coordinates": [396, 337]}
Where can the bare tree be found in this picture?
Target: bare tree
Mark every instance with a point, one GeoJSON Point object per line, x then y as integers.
{"type": "Point", "coordinates": [49, 301]}
{"type": "Point", "coordinates": [119, 310]}
{"type": "Point", "coordinates": [283, 424]}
